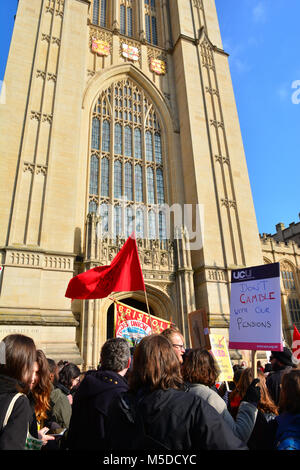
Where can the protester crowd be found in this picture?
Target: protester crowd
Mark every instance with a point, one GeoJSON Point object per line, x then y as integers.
{"type": "Point", "coordinates": [163, 397]}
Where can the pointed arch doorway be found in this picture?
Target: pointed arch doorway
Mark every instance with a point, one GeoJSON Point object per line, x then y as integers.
{"type": "Point", "coordinates": [131, 302]}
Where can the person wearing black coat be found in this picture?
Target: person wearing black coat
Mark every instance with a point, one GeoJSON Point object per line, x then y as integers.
{"type": "Point", "coordinates": [158, 414]}
{"type": "Point", "coordinates": [94, 395]}
{"type": "Point", "coordinates": [13, 436]}
{"type": "Point", "coordinates": [15, 377]}
{"type": "Point", "coordinates": [281, 362]}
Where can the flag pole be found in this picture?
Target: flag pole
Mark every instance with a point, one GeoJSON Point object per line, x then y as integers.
{"type": "Point", "coordinates": [148, 310]}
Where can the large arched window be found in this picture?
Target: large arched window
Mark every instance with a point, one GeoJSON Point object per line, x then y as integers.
{"type": "Point", "coordinates": [127, 161]}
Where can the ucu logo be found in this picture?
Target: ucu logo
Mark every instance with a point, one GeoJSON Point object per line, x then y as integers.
{"type": "Point", "coordinates": [245, 274]}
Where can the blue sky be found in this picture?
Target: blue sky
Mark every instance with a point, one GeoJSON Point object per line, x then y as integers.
{"type": "Point", "coordinates": [263, 40]}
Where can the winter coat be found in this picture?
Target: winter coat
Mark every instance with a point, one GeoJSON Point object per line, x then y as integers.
{"type": "Point", "coordinates": [273, 383]}
{"type": "Point", "coordinates": [263, 435]}
{"type": "Point", "coordinates": [13, 436]}
{"type": "Point", "coordinates": [61, 409]}
{"type": "Point", "coordinates": [90, 406]}
{"type": "Point", "coordinates": [288, 432]}
{"type": "Point", "coordinates": [246, 416]}
{"type": "Point", "coordinates": [167, 420]}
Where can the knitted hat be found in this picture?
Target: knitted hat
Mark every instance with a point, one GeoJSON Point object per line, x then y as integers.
{"type": "Point", "coordinates": [285, 356]}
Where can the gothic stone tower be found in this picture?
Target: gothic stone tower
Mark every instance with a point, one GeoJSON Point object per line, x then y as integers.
{"type": "Point", "coordinates": [113, 108]}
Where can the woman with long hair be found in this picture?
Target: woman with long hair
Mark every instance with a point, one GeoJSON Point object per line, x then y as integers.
{"type": "Point", "coordinates": [200, 372]}
{"type": "Point", "coordinates": [157, 414]}
{"type": "Point", "coordinates": [262, 436]}
{"type": "Point", "coordinates": [41, 389]}
{"type": "Point", "coordinates": [15, 378]}
{"type": "Point", "coordinates": [239, 392]}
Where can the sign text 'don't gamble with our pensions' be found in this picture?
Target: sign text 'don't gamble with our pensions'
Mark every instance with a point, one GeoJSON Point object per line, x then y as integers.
{"type": "Point", "coordinates": [255, 309]}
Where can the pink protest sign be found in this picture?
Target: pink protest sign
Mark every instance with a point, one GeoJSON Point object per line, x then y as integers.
{"type": "Point", "coordinates": [255, 309]}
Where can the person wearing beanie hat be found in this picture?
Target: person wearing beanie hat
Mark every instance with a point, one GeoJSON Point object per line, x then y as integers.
{"type": "Point", "coordinates": [283, 357]}
{"type": "Point", "coordinates": [281, 362]}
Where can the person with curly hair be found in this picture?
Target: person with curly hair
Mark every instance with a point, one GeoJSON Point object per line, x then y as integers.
{"type": "Point", "coordinates": [40, 389]}
{"type": "Point", "coordinates": [262, 437]}
{"type": "Point", "coordinates": [200, 372]}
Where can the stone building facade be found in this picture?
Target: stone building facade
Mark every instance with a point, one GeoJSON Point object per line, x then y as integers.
{"type": "Point", "coordinates": [114, 109]}
{"type": "Point", "coordinates": [287, 253]}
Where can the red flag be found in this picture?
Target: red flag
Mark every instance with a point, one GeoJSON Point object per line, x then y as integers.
{"type": "Point", "coordinates": [123, 274]}
{"type": "Point", "coordinates": [296, 343]}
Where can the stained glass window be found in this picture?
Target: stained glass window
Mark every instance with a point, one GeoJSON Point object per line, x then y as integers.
{"type": "Point", "coordinates": [129, 227]}
{"type": "Point", "coordinates": [128, 141]}
{"type": "Point", "coordinates": [150, 186]}
{"type": "Point", "coordinates": [151, 225]}
{"type": "Point", "coordinates": [94, 175]}
{"type": "Point", "coordinates": [162, 225]}
{"type": "Point", "coordinates": [122, 20]}
{"type": "Point", "coordinates": [117, 179]}
{"type": "Point", "coordinates": [105, 136]}
{"type": "Point", "coordinates": [160, 186]}
{"type": "Point", "coordinates": [104, 177]}
{"type": "Point", "coordinates": [137, 143]}
{"type": "Point", "coordinates": [96, 11]}
{"type": "Point", "coordinates": [125, 115]}
{"type": "Point", "coordinates": [118, 138]}
{"type": "Point", "coordinates": [138, 183]}
{"type": "Point", "coordinates": [139, 223]}
{"type": "Point", "coordinates": [129, 21]}
{"type": "Point", "coordinates": [99, 7]}
{"type": "Point", "coordinates": [117, 220]}
{"type": "Point", "coordinates": [157, 145]}
{"type": "Point", "coordinates": [92, 206]}
{"type": "Point", "coordinates": [103, 13]}
{"type": "Point", "coordinates": [126, 18]}
{"type": "Point", "coordinates": [104, 218]}
{"type": "Point", "coordinates": [128, 182]}
{"type": "Point", "coordinates": [151, 22]}
{"type": "Point", "coordinates": [149, 149]}
{"type": "Point", "coordinates": [96, 134]}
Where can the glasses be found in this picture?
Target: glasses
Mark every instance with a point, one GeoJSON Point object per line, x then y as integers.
{"type": "Point", "coordinates": [179, 346]}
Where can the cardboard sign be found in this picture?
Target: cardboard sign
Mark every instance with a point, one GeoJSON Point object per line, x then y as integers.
{"type": "Point", "coordinates": [221, 355]}
{"type": "Point", "coordinates": [255, 309]}
{"type": "Point", "coordinates": [133, 324]}
{"type": "Point", "coordinates": [199, 331]}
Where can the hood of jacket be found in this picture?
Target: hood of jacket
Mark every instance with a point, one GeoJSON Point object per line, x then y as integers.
{"type": "Point", "coordinates": [101, 381]}
{"type": "Point", "coordinates": [98, 388]}
{"type": "Point", "coordinates": [9, 384]}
